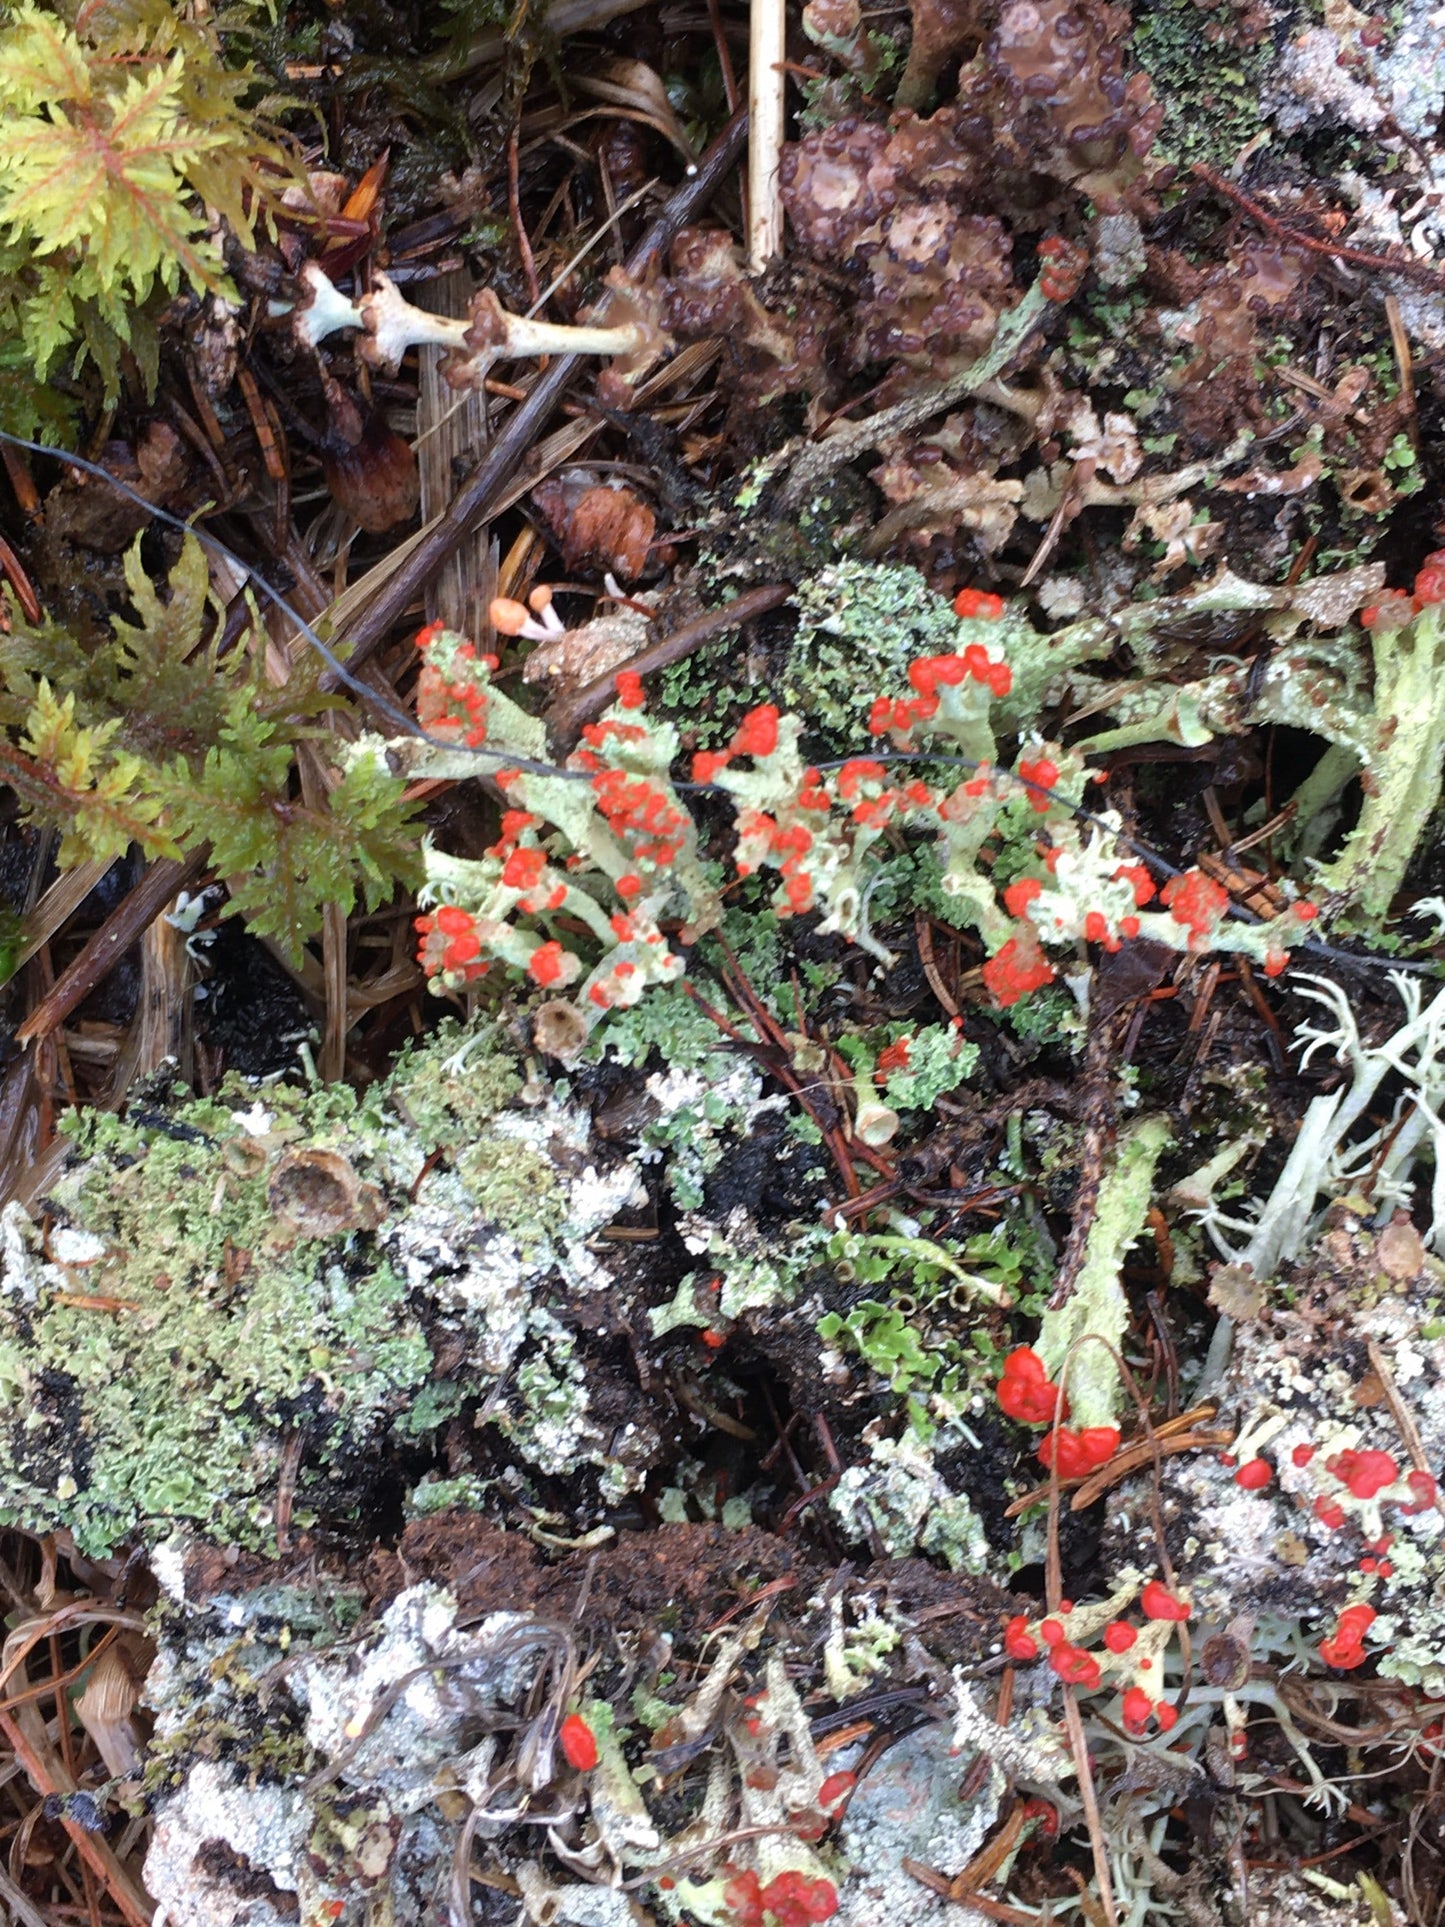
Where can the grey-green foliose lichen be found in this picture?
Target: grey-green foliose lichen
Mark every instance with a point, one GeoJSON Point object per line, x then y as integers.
{"type": "Point", "coordinates": [267, 1287]}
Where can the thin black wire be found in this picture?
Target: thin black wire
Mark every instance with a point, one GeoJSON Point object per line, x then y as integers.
{"type": "Point", "coordinates": [409, 726]}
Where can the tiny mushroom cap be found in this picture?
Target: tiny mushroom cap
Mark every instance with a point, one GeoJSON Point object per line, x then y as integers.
{"type": "Point", "coordinates": [510, 618]}
{"type": "Point", "coordinates": [507, 616]}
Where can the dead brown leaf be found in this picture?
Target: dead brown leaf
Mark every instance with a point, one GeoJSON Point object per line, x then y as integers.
{"type": "Point", "coordinates": [592, 522]}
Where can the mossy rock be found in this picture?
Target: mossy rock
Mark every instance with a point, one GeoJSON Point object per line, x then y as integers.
{"type": "Point", "coordinates": [250, 1294]}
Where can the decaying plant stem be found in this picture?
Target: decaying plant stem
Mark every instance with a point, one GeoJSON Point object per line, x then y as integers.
{"type": "Point", "coordinates": [767, 21]}
{"type": "Point", "coordinates": [590, 701]}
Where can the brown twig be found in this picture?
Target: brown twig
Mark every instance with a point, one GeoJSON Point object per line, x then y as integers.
{"type": "Point", "coordinates": [476, 499]}
{"type": "Point", "coordinates": [119, 1886]}
{"type": "Point", "coordinates": [568, 716]}
{"type": "Point", "coordinates": [1404, 1418]}
{"type": "Point", "coordinates": [20, 582]}
{"type": "Point", "coordinates": [1400, 342]}
{"type": "Point", "coordinates": [1079, 1747]}
{"type": "Point", "coordinates": [923, 931]}
{"type": "Point", "coordinates": [165, 879]}
{"type": "Point", "coordinates": [1128, 1460]}
{"type": "Point", "coordinates": [514, 210]}
{"type": "Point", "coordinates": [940, 1884]}
{"type": "Point", "coordinates": [724, 55]}
{"type": "Point", "coordinates": [50, 1772]}
{"type": "Point", "coordinates": [1337, 250]}
{"type": "Point", "coordinates": [783, 1071]}
{"type": "Point", "coordinates": [772, 1037]}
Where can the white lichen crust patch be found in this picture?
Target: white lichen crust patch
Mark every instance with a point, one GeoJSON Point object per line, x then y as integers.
{"type": "Point", "coordinates": [339, 1758]}
{"type": "Point", "coordinates": [1346, 1357]}
{"type": "Point", "coordinates": [292, 1281]}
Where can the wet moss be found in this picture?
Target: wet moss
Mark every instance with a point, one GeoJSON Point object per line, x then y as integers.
{"type": "Point", "coordinates": [267, 1287]}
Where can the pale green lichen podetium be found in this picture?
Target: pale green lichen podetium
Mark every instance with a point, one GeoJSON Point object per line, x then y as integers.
{"type": "Point", "coordinates": [1097, 1309]}
{"type": "Point", "coordinates": [1404, 763]}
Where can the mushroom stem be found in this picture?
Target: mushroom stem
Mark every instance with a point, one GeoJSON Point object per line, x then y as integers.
{"type": "Point", "coordinates": [529, 337]}
{"type": "Point", "coordinates": [491, 334]}
{"type": "Point", "coordinates": [393, 325]}
{"type": "Point", "coordinates": [325, 310]}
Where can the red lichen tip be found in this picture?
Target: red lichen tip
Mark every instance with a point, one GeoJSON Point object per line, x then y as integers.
{"type": "Point", "coordinates": [1365, 1473]}
{"type": "Point", "coordinates": [1077, 1454]}
{"type": "Point", "coordinates": [1024, 1392]}
{"type": "Point", "coordinates": [1044, 1815]}
{"type": "Point", "coordinates": [975, 605]}
{"type": "Point", "coordinates": [757, 734]}
{"type": "Point", "coordinates": [1425, 1490]}
{"type": "Point", "coordinates": [578, 1743]}
{"type": "Point", "coordinates": [894, 1057]}
{"type": "Point", "coordinates": [1345, 1649]}
{"type": "Point", "coordinates": [1196, 901]}
{"type": "Point", "coordinates": [1159, 1603]}
{"type": "Point", "coordinates": [1017, 969]}
{"type": "Point", "coordinates": [1040, 775]}
{"type": "Point", "coordinates": [1137, 1708]}
{"type": "Point", "coordinates": [1018, 1643]}
{"type": "Point", "coordinates": [1074, 1666]}
{"type": "Point", "coordinates": [549, 963]}
{"type": "Point", "coordinates": [707, 763]}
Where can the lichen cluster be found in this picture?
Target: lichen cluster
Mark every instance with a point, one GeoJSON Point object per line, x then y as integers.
{"type": "Point", "coordinates": [243, 1303]}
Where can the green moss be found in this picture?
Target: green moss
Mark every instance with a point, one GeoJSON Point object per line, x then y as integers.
{"type": "Point", "coordinates": [446, 1088]}
{"type": "Point", "coordinates": [514, 1184]}
{"type": "Point", "coordinates": [209, 1318]}
{"type": "Point", "coordinates": [249, 1278]}
{"type": "Point", "coordinates": [860, 625]}
{"type": "Point", "coordinates": [1211, 93]}
{"type": "Point", "coordinates": [666, 1020]}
